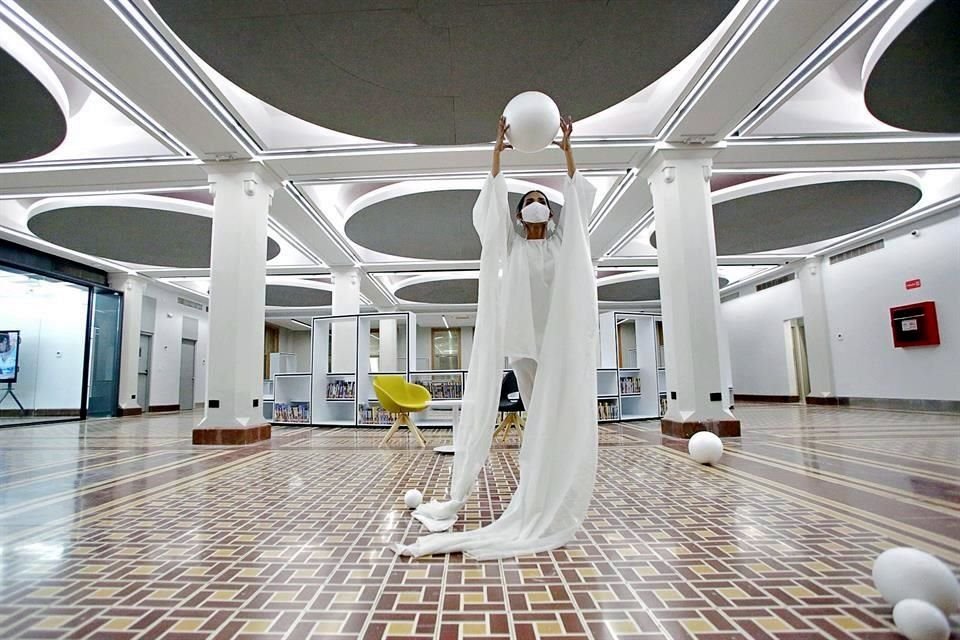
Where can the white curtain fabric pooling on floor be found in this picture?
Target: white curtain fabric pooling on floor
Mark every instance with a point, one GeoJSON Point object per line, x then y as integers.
{"type": "Point", "coordinates": [559, 451]}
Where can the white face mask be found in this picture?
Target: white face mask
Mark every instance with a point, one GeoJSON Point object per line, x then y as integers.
{"type": "Point", "coordinates": [535, 212]}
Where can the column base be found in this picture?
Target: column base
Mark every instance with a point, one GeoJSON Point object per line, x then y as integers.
{"type": "Point", "coordinates": [132, 411]}
{"type": "Point", "coordinates": [677, 429]}
{"type": "Point", "coordinates": [232, 435]}
{"type": "Point", "coordinates": [832, 401]}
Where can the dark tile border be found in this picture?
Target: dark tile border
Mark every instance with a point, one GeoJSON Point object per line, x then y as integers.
{"type": "Point", "coordinates": [232, 435]}
{"type": "Point", "coordinates": [723, 428]}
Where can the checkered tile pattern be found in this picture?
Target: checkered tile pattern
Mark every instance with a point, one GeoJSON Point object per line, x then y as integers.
{"type": "Point", "coordinates": [289, 539]}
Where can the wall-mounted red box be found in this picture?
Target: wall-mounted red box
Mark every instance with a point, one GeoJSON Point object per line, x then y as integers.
{"type": "Point", "coordinates": [915, 325]}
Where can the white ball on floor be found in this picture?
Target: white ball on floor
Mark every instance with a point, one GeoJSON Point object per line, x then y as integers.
{"type": "Point", "coordinates": [705, 447]}
{"type": "Point", "coordinates": [412, 498]}
{"type": "Point", "coordinates": [534, 121]}
{"type": "Point", "coordinates": [919, 620]}
{"type": "Point", "coordinates": [904, 573]}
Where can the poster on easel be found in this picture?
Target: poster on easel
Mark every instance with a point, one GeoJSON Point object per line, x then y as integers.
{"type": "Point", "coordinates": [9, 355]}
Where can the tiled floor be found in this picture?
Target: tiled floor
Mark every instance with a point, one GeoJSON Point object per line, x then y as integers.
{"type": "Point", "coordinates": [123, 529]}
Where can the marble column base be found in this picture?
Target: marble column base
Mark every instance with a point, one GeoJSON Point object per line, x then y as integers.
{"type": "Point", "coordinates": [232, 435]}
{"type": "Point", "coordinates": [677, 429]}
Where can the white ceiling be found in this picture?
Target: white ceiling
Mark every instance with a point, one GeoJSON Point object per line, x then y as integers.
{"type": "Point", "coordinates": [778, 85]}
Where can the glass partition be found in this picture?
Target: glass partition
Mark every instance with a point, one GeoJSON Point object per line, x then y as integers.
{"type": "Point", "coordinates": [43, 325]}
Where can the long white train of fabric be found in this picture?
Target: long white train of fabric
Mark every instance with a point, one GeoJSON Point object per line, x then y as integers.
{"type": "Point", "coordinates": [558, 457]}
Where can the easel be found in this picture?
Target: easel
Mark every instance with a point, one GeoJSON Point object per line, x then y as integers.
{"type": "Point", "coordinates": [9, 392]}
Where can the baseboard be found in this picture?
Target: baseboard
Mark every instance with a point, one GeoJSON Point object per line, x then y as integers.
{"type": "Point", "coordinates": [722, 428]}
{"type": "Point", "coordinates": [903, 404]}
{"type": "Point", "coordinates": [126, 413]}
{"type": "Point", "coordinates": [754, 397]}
{"type": "Point", "coordinates": [830, 401]}
{"type": "Point", "coordinates": [164, 408]}
{"type": "Point", "coordinates": [45, 413]}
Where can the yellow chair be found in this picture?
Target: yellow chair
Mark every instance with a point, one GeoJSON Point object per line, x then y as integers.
{"type": "Point", "coordinates": [396, 395]}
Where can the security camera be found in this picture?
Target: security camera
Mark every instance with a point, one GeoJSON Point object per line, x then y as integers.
{"type": "Point", "coordinates": [915, 233]}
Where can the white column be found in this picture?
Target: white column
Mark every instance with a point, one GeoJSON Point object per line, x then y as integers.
{"type": "Point", "coordinates": [346, 301]}
{"type": "Point", "coordinates": [242, 198]}
{"type": "Point", "coordinates": [132, 287]}
{"type": "Point", "coordinates": [690, 296]}
{"type": "Point", "coordinates": [816, 330]}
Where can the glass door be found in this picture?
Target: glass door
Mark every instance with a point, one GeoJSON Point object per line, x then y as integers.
{"type": "Point", "coordinates": [104, 381]}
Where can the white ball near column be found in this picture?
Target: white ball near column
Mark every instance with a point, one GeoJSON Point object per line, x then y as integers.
{"type": "Point", "coordinates": [534, 121]}
{"type": "Point", "coordinates": [705, 447]}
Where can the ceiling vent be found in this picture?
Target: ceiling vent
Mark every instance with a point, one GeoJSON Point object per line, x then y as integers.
{"type": "Point", "coordinates": [191, 304]}
{"type": "Point", "coordinates": [857, 251]}
{"type": "Point", "coordinates": [776, 281]}
{"type": "Point", "coordinates": [729, 297]}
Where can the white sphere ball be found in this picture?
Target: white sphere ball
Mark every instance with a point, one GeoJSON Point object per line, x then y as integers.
{"type": "Point", "coordinates": [534, 121]}
{"type": "Point", "coordinates": [903, 573]}
{"type": "Point", "coordinates": [705, 447]}
{"type": "Point", "coordinates": [919, 620]}
{"type": "Point", "coordinates": [412, 498]}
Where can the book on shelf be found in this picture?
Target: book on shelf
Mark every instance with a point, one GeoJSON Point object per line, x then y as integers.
{"type": "Point", "coordinates": [374, 414]}
{"type": "Point", "coordinates": [442, 389]}
{"type": "Point", "coordinates": [629, 384]}
{"type": "Point", "coordinates": [291, 412]}
{"type": "Point", "coordinates": [663, 405]}
{"type": "Point", "coordinates": [341, 389]}
{"type": "Point", "coordinates": [607, 410]}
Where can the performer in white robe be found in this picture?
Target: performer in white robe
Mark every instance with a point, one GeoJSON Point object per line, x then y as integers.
{"type": "Point", "coordinates": [538, 306]}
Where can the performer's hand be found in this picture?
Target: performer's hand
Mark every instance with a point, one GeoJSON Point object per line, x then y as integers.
{"type": "Point", "coordinates": [502, 128]}
{"type": "Point", "coordinates": [566, 127]}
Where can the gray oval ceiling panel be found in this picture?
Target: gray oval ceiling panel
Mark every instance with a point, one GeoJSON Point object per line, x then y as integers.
{"type": "Point", "coordinates": [797, 216]}
{"type": "Point", "coordinates": [31, 122]}
{"type": "Point", "coordinates": [280, 295]}
{"type": "Point", "coordinates": [431, 225]}
{"type": "Point", "coordinates": [435, 71]}
{"type": "Point", "coordinates": [916, 83]}
{"type": "Point", "coordinates": [640, 290]}
{"type": "Point", "coordinates": [463, 291]}
{"type": "Point", "coordinates": [132, 234]}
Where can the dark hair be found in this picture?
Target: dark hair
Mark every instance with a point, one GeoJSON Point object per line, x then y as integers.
{"type": "Point", "coordinates": [524, 197]}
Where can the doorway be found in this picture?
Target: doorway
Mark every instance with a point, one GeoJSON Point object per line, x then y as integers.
{"type": "Point", "coordinates": [143, 371]}
{"type": "Point", "coordinates": [188, 355]}
{"type": "Point", "coordinates": [106, 311]}
{"type": "Point", "coordinates": [797, 350]}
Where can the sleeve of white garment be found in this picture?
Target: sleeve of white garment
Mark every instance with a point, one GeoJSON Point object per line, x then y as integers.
{"type": "Point", "coordinates": [580, 188]}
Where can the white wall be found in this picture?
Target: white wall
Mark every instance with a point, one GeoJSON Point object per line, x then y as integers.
{"type": "Point", "coordinates": [859, 294]}
{"type": "Point", "coordinates": [52, 319]}
{"type": "Point", "coordinates": [754, 324]}
{"type": "Point", "coordinates": [168, 332]}
{"type": "Point", "coordinates": [297, 343]}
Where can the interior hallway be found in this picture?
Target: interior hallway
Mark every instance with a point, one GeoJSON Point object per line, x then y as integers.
{"type": "Point", "coordinates": [123, 529]}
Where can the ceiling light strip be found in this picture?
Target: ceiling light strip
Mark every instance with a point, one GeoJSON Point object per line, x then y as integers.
{"type": "Point", "coordinates": [300, 323]}
{"type": "Point", "coordinates": [291, 239]}
{"type": "Point", "coordinates": [743, 33]}
{"type": "Point", "coordinates": [307, 205]}
{"type": "Point", "coordinates": [447, 175]}
{"type": "Point", "coordinates": [612, 198]}
{"type": "Point", "coordinates": [95, 192]}
{"type": "Point", "coordinates": [171, 58]}
{"type": "Point", "coordinates": [26, 166]}
{"type": "Point", "coordinates": [821, 57]}
{"type": "Point", "coordinates": [628, 237]}
{"type": "Point", "coordinates": [28, 25]}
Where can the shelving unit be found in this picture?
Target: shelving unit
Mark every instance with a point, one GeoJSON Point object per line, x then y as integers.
{"type": "Point", "coordinates": [333, 366]}
{"type": "Point", "coordinates": [629, 352]}
{"type": "Point", "coordinates": [608, 409]}
{"type": "Point", "coordinates": [442, 385]}
{"type": "Point", "coordinates": [395, 335]}
{"type": "Point", "coordinates": [279, 363]}
{"type": "Point", "coordinates": [292, 399]}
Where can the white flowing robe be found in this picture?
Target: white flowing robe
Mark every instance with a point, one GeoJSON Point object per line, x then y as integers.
{"type": "Point", "coordinates": [559, 452]}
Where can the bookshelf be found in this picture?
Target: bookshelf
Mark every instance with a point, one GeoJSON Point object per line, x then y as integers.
{"type": "Point", "coordinates": [291, 403]}
{"type": "Point", "coordinates": [333, 358]}
{"type": "Point", "coordinates": [386, 344]}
